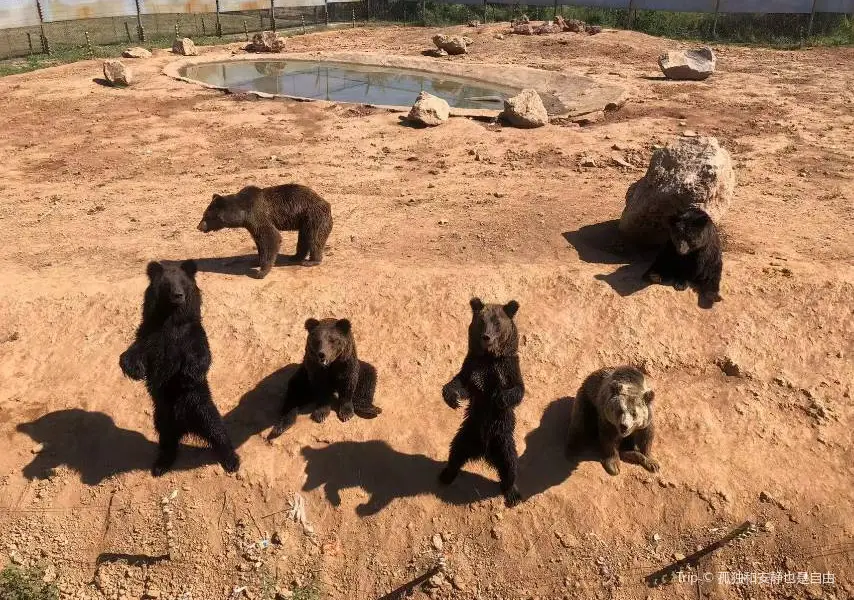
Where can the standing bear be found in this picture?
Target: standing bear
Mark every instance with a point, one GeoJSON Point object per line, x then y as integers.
{"type": "Point", "coordinates": [614, 405]}
{"type": "Point", "coordinates": [265, 212]}
{"type": "Point", "coordinates": [692, 255]}
{"type": "Point", "coordinates": [171, 354]}
{"type": "Point", "coordinates": [491, 380]}
{"type": "Point", "coordinates": [330, 373]}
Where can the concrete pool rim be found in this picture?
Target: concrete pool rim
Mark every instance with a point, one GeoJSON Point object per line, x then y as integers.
{"type": "Point", "coordinates": [569, 95]}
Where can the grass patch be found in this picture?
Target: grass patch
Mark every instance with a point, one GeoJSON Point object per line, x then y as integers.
{"type": "Point", "coordinates": [25, 584]}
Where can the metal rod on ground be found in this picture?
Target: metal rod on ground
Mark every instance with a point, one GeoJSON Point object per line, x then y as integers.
{"type": "Point", "coordinates": [354, 18]}
{"type": "Point", "coordinates": [218, 24]}
{"type": "Point", "coordinates": [204, 29]}
{"type": "Point", "coordinates": [177, 31]}
{"type": "Point", "coordinates": [88, 44]}
{"type": "Point", "coordinates": [30, 42]}
{"type": "Point", "coordinates": [715, 22]}
{"type": "Point", "coordinates": [812, 18]}
{"type": "Point", "coordinates": [303, 23]}
{"type": "Point", "coordinates": [45, 44]}
{"type": "Point", "coordinates": [245, 30]}
{"type": "Point", "coordinates": [127, 31]}
{"type": "Point", "coordinates": [272, 15]}
{"type": "Point", "coordinates": [140, 32]}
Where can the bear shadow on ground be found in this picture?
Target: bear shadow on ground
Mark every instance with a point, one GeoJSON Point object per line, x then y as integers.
{"type": "Point", "coordinates": [91, 444]}
{"type": "Point", "coordinates": [386, 474]}
{"type": "Point", "coordinates": [601, 243]}
{"type": "Point", "coordinates": [244, 264]}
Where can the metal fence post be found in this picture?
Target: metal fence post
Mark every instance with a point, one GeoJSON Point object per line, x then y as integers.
{"type": "Point", "coordinates": [140, 32]}
{"type": "Point", "coordinates": [812, 18]}
{"type": "Point", "coordinates": [273, 15]}
{"type": "Point", "coordinates": [29, 41]}
{"type": "Point", "coordinates": [45, 43]}
{"type": "Point", "coordinates": [218, 24]}
{"type": "Point", "coordinates": [326, 11]}
{"type": "Point", "coordinates": [127, 31]}
{"type": "Point", "coordinates": [89, 44]}
{"type": "Point", "coordinates": [715, 22]}
{"type": "Point", "coordinates": [631, 13]}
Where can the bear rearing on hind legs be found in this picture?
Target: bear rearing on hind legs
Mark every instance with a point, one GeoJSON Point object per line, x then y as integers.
{"type": "Point", "coordinates": [172, 355]}
{"type": "Point", "coordinates": [491, 380]}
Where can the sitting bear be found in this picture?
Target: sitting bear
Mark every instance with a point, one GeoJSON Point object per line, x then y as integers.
{"type": "Point", "coordinates": [329, 367]}
{"type": "Point", "coordinates": [171, 354]}
{"type": "Point", "coordinates": [691, 255]}
{"type": "Point", "coordinates": [491, 380]}
{"type": "Point", "coordinates": [265, 212]}
{"type": "Point", "coordinates": [615, 405]}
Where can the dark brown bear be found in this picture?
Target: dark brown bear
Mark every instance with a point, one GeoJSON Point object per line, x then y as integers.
{"type": "Point", "coordinates": [692, 256]}
{"type": "Point", "coordinates": [172, 355]}
{"type": "Point", "coordinates": [614, 405]}
{"type": "Point", "coordinates": [330, 373]}
{"type": "Point", "coordinates": [491, 380]}
{"type": "Point", "coordinates": [265, 212]}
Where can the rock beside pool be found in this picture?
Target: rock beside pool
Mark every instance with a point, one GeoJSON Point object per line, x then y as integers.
{"type": "Point", "coordinates": [266, 41]}
{"type": "Point", "coordinates": [429, 110]}
{"type": "Point", "coordinates": [688, 171]}
{"type": "Point", "coordinates": [117, 73]}
{"type": "Point", "coordinates": [136, 52]}
{"type": "Point", "coordinates": [575, 26]}
{"type": "Point", "coordinates": [691, 65]}
{"type": "Point", "coordinates": [452, 44]}
{"type": "Point", "coordinates": [184, 47]}
{"type": "Point", "coordinates": [525, 110]}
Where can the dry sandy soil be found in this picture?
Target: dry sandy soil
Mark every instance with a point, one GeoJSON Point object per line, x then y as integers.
{"type": "Point", "coordinates": [96, 182]}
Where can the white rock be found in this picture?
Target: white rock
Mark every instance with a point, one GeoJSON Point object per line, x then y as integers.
{"type": "Point", "coordinates": [452, 44]}
{"type": "Point", "coordinates": [136, 52]}
{"type": "Point", "coordinates": [525, 110]}
{"type": "Point", "coordinates": [429, 110]}
{"type": "Point", "coordinates": [185, 47]}
{"type": "Point", "coordinates": [117, 73]}
{"type": "Point", "coordinates": [694, 65]}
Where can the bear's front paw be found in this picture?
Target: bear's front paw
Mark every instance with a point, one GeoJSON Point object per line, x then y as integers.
{"type": "Point", "coordinates": [320, 414]}
{"type": "Point", "coordinates": [161, 466]}
{"type": "Point", "coordinates": [612, 466]}
{"type": "Point", "coordinates": [231, 464]}
{"type": "Point", "coordinates": [707, 300]}
{"type": "Point", "coordinates": [651, 465]}
{"type": "Point", "coordinates": [451, 395]}
{"type": "Point", "coordinates": [346, 412]}
{"type": "Point", "coordinates": [512, 497]}
{"type": "Point", "coordinates": [680, 285]}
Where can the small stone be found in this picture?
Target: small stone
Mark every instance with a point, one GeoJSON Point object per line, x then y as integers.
{"type": "Point", "coordinates": [429, 110]}
{"type": "Point", "coordinates": [49, 574]}
{"type": "Point", "coordinates": [136, 52]}
{"type": "Point", "coordinates": [37, 448]}
{"type": "Point", "coordinates": [768, 526]}
{"type": "Point", "coordinates": [117, 73]}
{"type": "Point", "coordinates": [587, 161]}
{"type": "Point", "coordinates": [443, 221]}
{"type": "Point", "coordinates": [276, 538]}
{"type": "Point", "coordinates": [438, 544]}
{"type": "Point", "coordinates": [656, 537]}
{"type": "Point", "coordinates": [678, 556]}
{"type": "Point", "coordinates": [689, 133]}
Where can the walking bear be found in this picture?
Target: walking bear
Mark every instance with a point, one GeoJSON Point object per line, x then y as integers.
{"type": "Point", "coordinates": [171, 354]}
{"type": "Point", "coordinates": [491, 380]}
{"type": "Point", "coordinates": [614, 405]}
{"type": "Point", "coordinates": [265, 212]}
{"type": "Point", "coordinates": [692, 255]}
{"type": "Point", "coordinates": [330, 373]}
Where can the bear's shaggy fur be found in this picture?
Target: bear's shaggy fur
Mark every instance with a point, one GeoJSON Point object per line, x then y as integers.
{"type": "Point", "coordinates": [265, 212]}
{"type": "Point", "coordinates": [329, 368]}
{"type": "Point", "coordinates": [172, 355]}
{"type": "Point", "coordinates": [615, 405]}
{"type": "Point", "coordinates": [692, 255]}
{"type": "Point", "coordinates": [491, 380]}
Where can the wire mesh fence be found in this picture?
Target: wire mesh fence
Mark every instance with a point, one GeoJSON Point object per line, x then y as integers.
{"type": "Point", "coordinates": [30, 27]}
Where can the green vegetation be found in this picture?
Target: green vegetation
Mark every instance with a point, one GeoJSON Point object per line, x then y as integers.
{"type": "Point", "coordinates": [307, 592]}
{"type": "Point", "coordinates": [25, 584]}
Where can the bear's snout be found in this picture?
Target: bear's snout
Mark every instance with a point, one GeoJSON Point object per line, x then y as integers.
{"type": "Point", "coordinates": [203, 226]}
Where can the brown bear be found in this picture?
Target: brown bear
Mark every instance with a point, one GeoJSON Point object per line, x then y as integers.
{"type": "Point", "coordinates": [491, 380]}
{"type": "Point", "coordinates": [692, 255]}
{"type": "Point", "coordinates": [615, 405]}
{"type": "Point", "coordinates": [330, 371]}
{"type": "Point", "coordinates": [265, 212]}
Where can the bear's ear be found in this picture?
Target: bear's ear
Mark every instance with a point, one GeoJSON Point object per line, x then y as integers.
{"type": "Point", "coordinates": [190, 268]}
{"type": "Point", "coordinates": [476, 304]}
{"type": "Point", "coordinates": [154, 269]}
{"type": "Point", "coordinates": [648, 396]}
{"type": "Point", "coordinates": [511, 308]}
{"type": "Point", "coordinates": [216, 197]}
{"type": "Point", "coordinates": [311, 324]}
{"type": "Point", "coordinates": [343, 325]}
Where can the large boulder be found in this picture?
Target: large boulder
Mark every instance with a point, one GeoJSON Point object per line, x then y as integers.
{"type": "Point", "coordinates": [523, 29]}
{"type": "Point", "coordinates": [452, 44]}
{"type": "Point", "coordinates": [117, 73]}
{"type": "Point", "coordinates": [266, 41]}
{"type": "Point", "coordinates": [525, 110]}
{"type": "Point", "coordinates": [688, 171]}
{"type": "Point", "coordinates": [185, 47]}
{"type": "Point", "coordinates": [575, 26]}
{"type": "Point", "coordinates": [429, 110]}
{"type": "Point", "coordinates": [547, 28]}
{"type": "Point", "coordinates": [694, 65]}
{"type": "Point", "coordinates": [136, 52]}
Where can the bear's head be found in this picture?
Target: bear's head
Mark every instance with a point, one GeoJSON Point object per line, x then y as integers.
{"type": "Point", "coordinates": [329, 340]}
{"type": "Point", "coordinates": [691, 229]}
{"type": "Point", "coordinates": [628, 403]}
{"type": "Point", "coordinates": [224, 211]}
{"type": "Point", "coordinates": [172, 288]}
{"type": "Point", "coordinates": [492, 330]}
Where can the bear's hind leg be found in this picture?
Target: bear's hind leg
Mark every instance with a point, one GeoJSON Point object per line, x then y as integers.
{"type": "Point", "coordinates": [363, 401]}
{"type": "Point", "coordinates": [303, 246]}
{"type": "Point", "coordinates": [296, 396]}
{"type": "Point", "coordinates": [465, 446]}
{"type": "Point", "coordinates": [317, 233]}
{"type": "Point", "coordinates": [502, 455]}
{"type": "Point", "coordinates": [209, 426]}
{"type": "Point", "coordinates": [169, 436]}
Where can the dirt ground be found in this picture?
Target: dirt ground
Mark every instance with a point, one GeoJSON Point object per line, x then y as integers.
{"type": "Point", "coordinates": [754, 405]}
